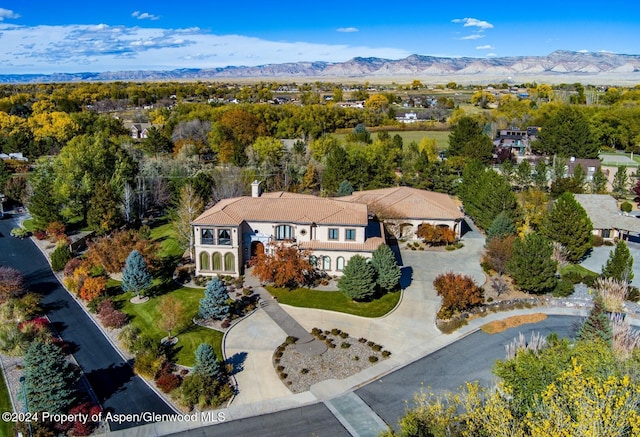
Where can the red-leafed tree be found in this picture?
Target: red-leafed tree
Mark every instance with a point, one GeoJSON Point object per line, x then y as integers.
{"type": "Point", "coordinates": [93, 288]}
{"type": "Point", "coordinates": [459, 293]}
{"type": "Point", "coordinates": [11, 283]}
{"type": "Point", "coordinates": [436, 235]}
{"type": "Point", "coordinates": [498, 253]}
{"type": "Point", "coordinates": [287, 267]}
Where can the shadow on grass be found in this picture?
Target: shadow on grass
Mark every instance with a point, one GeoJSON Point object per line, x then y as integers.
{"type": "Point", "coordinates": [167, 266]}
{"type": "Point", "coordinates": [164, 287]}
{"type": "Point", "coordinates": [237, 362]}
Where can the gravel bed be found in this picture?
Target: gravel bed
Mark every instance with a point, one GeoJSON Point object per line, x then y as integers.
{"type": "Point", "coordinates": [302, 371]}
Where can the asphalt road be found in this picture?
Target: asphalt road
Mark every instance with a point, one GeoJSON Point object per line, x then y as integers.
{"type": "Point", "coordinates": [118, 389]}
{"type": "Point", "coordinates": [469, 359]}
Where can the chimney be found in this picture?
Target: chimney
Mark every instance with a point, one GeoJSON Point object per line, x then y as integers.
{"type": "Point", "coordinates": [573, 159]}
{"type": "Point", "coordinates": [255, 189]}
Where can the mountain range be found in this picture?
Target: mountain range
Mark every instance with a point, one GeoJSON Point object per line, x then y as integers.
{"type": "Point", "coordinates": [558, 66]}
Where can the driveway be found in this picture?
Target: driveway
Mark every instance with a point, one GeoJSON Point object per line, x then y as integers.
{"type": "Point", "coordinates": [111, 377]}
{"type": "Point", "coordinates": [600, 255]}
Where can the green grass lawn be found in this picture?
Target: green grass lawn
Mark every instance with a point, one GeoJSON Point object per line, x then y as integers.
{"type": "Point", "coordinates": [441, 137]}
{"type": "Point", "coordinates": [165, 236]}
{"type": "Point", "coordinates": [28, 225]}
{"type": "Point", "coordinates": [6, 428]}
{"type": "Point", "coordinates": [335, 301]}
{"type": "Point", "coordinates": [145, 317]}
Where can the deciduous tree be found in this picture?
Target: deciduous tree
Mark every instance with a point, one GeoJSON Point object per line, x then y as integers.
{"type": "Point", "coordinates": [287, 267]}
{"type": "Point", "coordinates": [459, 292]}
{"type": "Point", "coordinates": [188, 207]}
{"type": "Point", "coordinates": [173, 314]}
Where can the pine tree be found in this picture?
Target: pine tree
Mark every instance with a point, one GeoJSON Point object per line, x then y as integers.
{"type": "Point", "coordinates": [358, 280]}
{"type": "Point", "coordinates": [136, 276]}
{"type": "Point", "coordinates": [502, 226]}
{"type": "Point", "coordinates": [620, 184]}
{"type": "Point", "coordinates": [467, 139]}
{"type": "Point", "coordinates": [387, 269]}
{"type": "Point", "coordinates": [531, 265]}
{"type": "Point", "coordinates": [597, 325]}
{"type": "Point", "coordinates": [44, 206]}
{"type": "Point", "coordinates": [50, 379]}
{"type": "Point", "coordinates": [214, 304]}
{"type": "Point", "coordinates": [619, 266]}
{"type": "Point", "coordinates": [345, 189]}
{"type": "Point", "coordinates": [567, 133]}
{"type": "Point", "coordinates": [207, 363]}
{"type": "Point", "coordinates": [568, 224]}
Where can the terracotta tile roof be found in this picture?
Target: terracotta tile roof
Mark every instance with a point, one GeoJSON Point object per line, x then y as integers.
{"type": "Point", "coordinates": [369, 245]}
{"type": "Point", "coordinates": [284, 208]}
{"type": "Point", "coordinates": [407, 202]}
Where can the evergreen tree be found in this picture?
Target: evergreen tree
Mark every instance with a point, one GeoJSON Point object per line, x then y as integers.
{"type": "Point", "coordinates": [345, 189]}
{"type": "Point", "coordinates": [104, 210]}
{"type": "Point", "coordinates": [43, 204]}
{"type": "Point", "coordinates": [531, 265]}
{"type": "Point", "coordinates": [598, 184]}
{"type": "Point", "coordinates": [135, 275]}
{"type": "Point", "coordinates": [598, 324]}
{"type": "Point", "coordinates": [540, 176]}
{"type": "Point", "coordinates": [620, 184]}
{"type": "Point", "coordinates": [387, 269]}
{"type": "Point", "coordinates": [502, 226]}
{"type": "Point", "coordinates": [619, 266]}
{"type": "Point", "coordinates": [214, 304]}
{"type": "Point", "coordinates": [336, 169]}
{"type": "Point", "coordinates": [485, 194]}
{"type": "Point", "coordinates": [59, 257]}
{"type": "Point", "coordinates": [568, 224]}
{"type": "Point", "coordinates": [207, 363]}
{"type": "Point", "coordinates": [50, 380]}
{"type": "Point", "coordinates": [358, 280]}
{"type": "Point", "coordinates": [567, 133]}
{"type": "Point", "coordinates": [468, 139]}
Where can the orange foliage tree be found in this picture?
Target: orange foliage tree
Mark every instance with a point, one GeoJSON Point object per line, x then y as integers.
{"type": "Point", "coordinates": [112, 251]}
{"type": "Point", "coordinates": [93, 288]}
{"type": "Point", "coordinates": [459, 293]}
{"type": "Point", "coordinates": [498, 252]}
{"type": "Point", "coordinates": [436, 235]}
{"type": "Point", "coordinates": [287, 267]}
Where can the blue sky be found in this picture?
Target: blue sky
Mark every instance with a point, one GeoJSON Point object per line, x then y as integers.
{"type": "Point", "coordinates": [47, 37]}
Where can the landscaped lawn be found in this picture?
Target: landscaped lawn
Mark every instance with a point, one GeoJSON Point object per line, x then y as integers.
{"type": "Point", "coordinates": [578, 270]}
{"type": "Point", "coordinates": [28, 225]}
{"type": "Point", "coordinates": [441, 137]}
{"type": "Point", "coordinates": [145, 317]}
{"type": "Point", "coordinates": [335, 301]}
{"type": "Point", "coordinates": [6, 428]}
{"type": "Point", "coordinates": [165, 236]}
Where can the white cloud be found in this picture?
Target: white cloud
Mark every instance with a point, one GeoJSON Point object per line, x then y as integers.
{"type": "Point", "coordinates": [144, 16]}
{"type": "Point", "coordinates": [75, 48]}
{"type": "Point", "coordinates": [347, 29]}
{"type": "Point", "coordinates": [472, 36]}
{"type": "Point", "coordinates": [473, 22]}
{"type": "Point", "coordinates": [485, 47]}
{"type": "Point", "coordinates": [7, 13]}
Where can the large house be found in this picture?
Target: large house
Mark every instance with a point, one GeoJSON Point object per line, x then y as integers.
{"type": "Point", "coordinates": [234, 230]}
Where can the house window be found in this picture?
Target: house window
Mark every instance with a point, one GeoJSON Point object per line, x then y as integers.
{"type": "Point", "coordinates": [206, 236]}
{"type": "Point", "coordinates": [224, 237]}
{"type": "Point", "coordinates": [205, 261]}
{"type": "Point", "coordinates": [313, 261]}
{"type": "Point", "coordinates": [217, 261]}
{"type": "Point", "coordinates": [591, 169]}
{"type": "Point", "coordinates": [606, 233]}
{"type": "Point", "coordinates": [333, 233]}
{"type": "Point", "coordinates": [350, 234]}
{"type": "Point", "coordinates": [340, 263]}
{"type": "Point", "coordinates": [229, 263]}
{"type": "Point", "coordinates": [326, 263]}
{"type": "Point", "coordinates": [284, 232]}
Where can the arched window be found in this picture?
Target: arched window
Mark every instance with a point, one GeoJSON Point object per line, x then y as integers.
{"type": "Point", "coordinates": [284, 232]}
{"type": "Point", "coordinates": [340, 263]}
{"type": "Point", "coordinates": [217, 261]}
{"type": "Point", "coordinates": [229, 263]}
{"type": "Point", "coordinates": [205, 261]}
{"type": "Point", "coordinates": [313, 261]}
{"type": "Point", "coordinates": [326, 263]}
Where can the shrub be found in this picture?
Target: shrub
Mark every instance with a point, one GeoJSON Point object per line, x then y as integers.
{"type": "Point", "coordinates": [19, 233]}
{"type": "Point", "coordinates": [55, 230]}
{"type": "Point", "coordinates": [344, 334]}
{"type": "Point", "coordinates": [376, 347]}
{"type": "Point", "coordinates": [304, 371]}
{"type": "Point", "coordinates": [335, 331]}
{"type": "Point", "coordinates": [386, 354]}
{"type": "Point", "coordinates": [626, 207]}
{"type": "Point", "coordinates": [373, 358]}
{"type": "Point", "coordinates": [459, 292]}
{"type": "Point", "coordinates": [40, 235]}
{"type": "Point", "coordinates": [59, 258]}
{"type": "Point", "coordinates": [362, 340]}
{"type": "Point", "coordinates": [147, 364]}
{"type": "Point", "coordinates": [345, 345]}
{"type": "Point", "coordinates": [597, 240]}
{"type": "Point", "coordinates": [167, 382]}
{"type": "Point", "coordinates": [280, 368]}
{"type": "Point", "coordinates": [109, 316]}
{"type": "Point", "coordinates": [93, 288]}
{"type": "Point", "coordinates": [563, 288]}
{"type": "Point", "coordinates": [71, 266]}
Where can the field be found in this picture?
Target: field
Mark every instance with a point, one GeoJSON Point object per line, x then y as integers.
{"type": "Point", "coordinates": [441, 137]}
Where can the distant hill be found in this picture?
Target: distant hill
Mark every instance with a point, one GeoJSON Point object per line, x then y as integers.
{"type": "Point", "coordinates": [592, 67]}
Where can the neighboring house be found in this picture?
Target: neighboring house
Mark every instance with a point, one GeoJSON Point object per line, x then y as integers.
{"type": "Point", "coordinates": [514, 139]}
{"type": "Point", "coordinates": [234, 230]}
{"type": "Point", "coordinates": [590, 166]}
{"type": "Point", "coordinates": [15, 156]}
{"type": "Point", "coordinates": [608, 221]}
{"type": "Point", "coordinates": [409, 117]}
{"type": "Point", "coordinates": [403, 209]}
{"type": "Point", "coordinates": [138, 130]}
